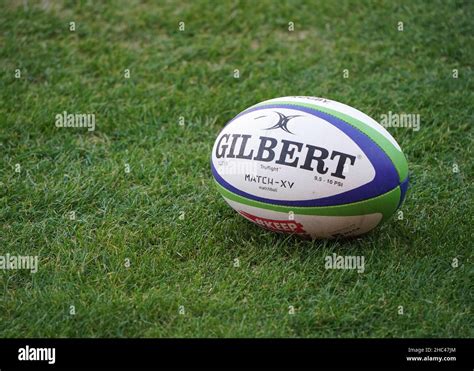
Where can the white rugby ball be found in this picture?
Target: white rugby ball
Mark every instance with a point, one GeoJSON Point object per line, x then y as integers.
{"type": "Point", "coordinates": [309, 166]}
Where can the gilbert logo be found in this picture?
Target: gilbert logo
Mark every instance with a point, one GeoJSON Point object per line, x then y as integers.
{"type": "Point", "coordinates": [282, 122]}
{"type": "Point", "coordinates": [288, 226]}
{"type": "Point", "coordinates": [37, 354]}
{"type": "Point", "coordinates": [284, 152]}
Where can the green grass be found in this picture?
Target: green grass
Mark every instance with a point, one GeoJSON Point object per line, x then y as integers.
{"type": "Point", "coordinates": [189, 261]}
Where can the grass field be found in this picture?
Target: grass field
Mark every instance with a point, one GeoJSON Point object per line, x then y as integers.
{"type": "Point", "coordinates": [151, 248]}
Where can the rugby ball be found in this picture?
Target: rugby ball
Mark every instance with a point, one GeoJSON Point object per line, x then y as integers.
{"type": "Point", "coordinates": [309, 166]}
